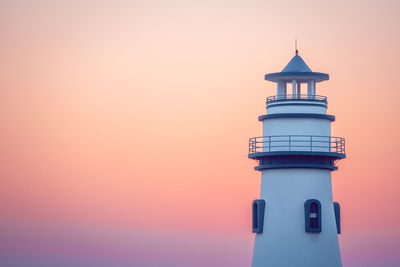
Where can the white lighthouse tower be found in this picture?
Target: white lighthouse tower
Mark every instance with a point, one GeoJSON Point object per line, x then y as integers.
{"type": "Point", "coordinates": [295, 220]}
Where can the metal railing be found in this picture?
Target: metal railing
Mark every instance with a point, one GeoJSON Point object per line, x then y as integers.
{"type": "Point", "coordinates": [304, 143]}
{"type": "Point", "coordinates": [318, 98]}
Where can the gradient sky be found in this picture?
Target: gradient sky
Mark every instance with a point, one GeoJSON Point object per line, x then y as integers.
{"type": "Point", "coordinates": [125, 126]}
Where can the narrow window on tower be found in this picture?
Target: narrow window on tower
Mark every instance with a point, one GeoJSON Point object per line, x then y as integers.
{"type": "Point", "coordinates": [258, 215]}
{"type": "Point", "coordinates": [336, 207]}
{"type": "Point", "coordinates": [312, 212]}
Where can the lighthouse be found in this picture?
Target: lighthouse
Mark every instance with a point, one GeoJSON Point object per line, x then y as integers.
{"type": "Point", "coordinates": [296, 221]}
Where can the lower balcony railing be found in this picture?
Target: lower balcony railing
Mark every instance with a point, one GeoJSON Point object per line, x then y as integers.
{"type": "Point", "coordinates": [296, 143]}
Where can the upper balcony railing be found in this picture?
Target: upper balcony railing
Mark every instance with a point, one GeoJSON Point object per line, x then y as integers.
{"type": "Point", "coordinates": [302, 97]}
{"type": "Point", "coordinates": [297, 143]}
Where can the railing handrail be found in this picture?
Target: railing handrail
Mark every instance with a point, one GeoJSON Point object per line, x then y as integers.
{"type": "Point", "coordinates": [290, 142]}
{"type": "Point", "coordinates": [304, 135]}
{"type": "Point", "coordinates": [294, 97]}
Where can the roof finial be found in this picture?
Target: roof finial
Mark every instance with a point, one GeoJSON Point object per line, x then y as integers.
{"type": "Point", "coordinates": [295, 45]}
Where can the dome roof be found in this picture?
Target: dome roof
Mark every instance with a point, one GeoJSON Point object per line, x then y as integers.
{"type": "Point", "coordinates": [297, 64]}
{"type": "Point", "coordinates": [297, 70]}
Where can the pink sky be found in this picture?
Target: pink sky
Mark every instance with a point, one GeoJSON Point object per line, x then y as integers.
{"type": "Point", "coordinates": [125, 126]}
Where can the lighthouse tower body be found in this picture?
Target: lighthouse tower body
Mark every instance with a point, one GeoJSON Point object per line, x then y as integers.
{"type": "Point", "coordinates": [295, 220]}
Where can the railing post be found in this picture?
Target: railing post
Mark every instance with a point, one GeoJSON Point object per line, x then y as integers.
{"type": "Point", "coordinates": [269, 143]}
{"type": "Point", "coordinates": [330, 143]}
{"type": "Point", "coordinates": [290, 149]}
{"type": "Point", "coordinates": [311, 144]}
{"type": "Point", "coordinates": [256, 145]}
